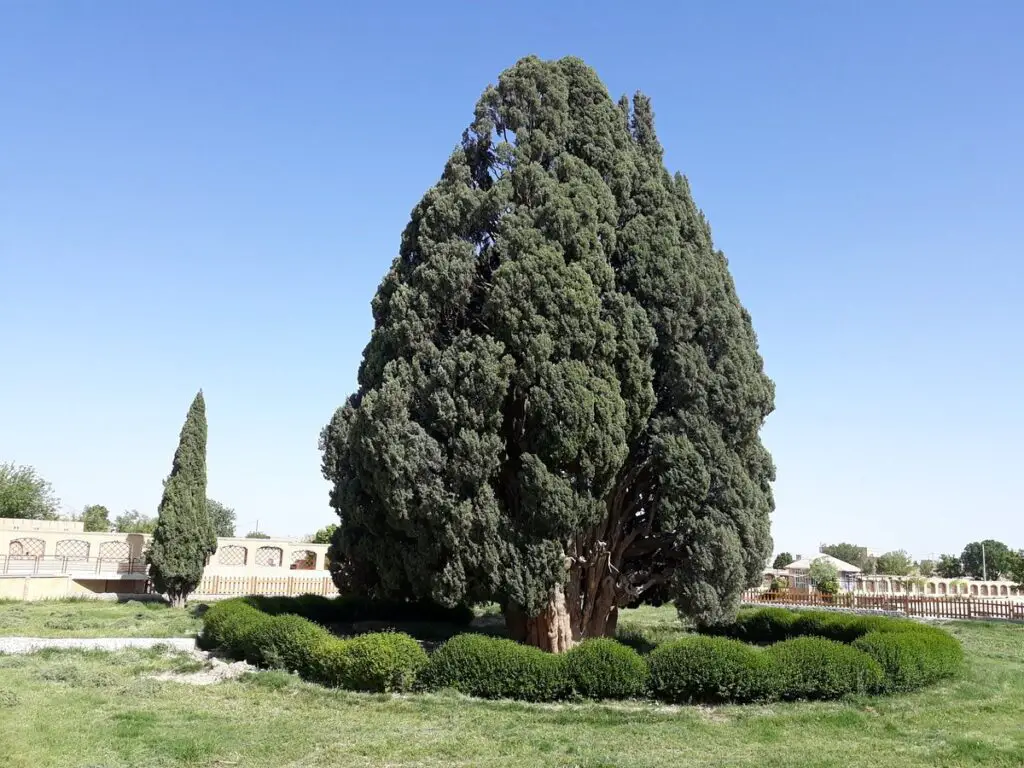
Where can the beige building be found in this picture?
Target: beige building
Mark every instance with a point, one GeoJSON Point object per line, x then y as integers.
{"type": "Point", "coordinates": [851, 579]}
{"type": "Point", "coordinates": [57, 558]}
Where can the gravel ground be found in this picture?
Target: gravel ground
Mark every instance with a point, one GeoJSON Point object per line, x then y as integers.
{"type": "Point", "coordinates": [32, 644]}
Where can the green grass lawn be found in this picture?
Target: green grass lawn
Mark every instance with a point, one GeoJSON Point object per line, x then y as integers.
{"type": "Point", "coordinates": [94, 709]}
{"type": "Point", "coordinates": [95, 618]}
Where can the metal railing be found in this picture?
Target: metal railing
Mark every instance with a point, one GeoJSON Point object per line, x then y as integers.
{"type": "Point", "coordinates": [27, 565]}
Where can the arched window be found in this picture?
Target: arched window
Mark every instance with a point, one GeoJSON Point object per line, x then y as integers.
{"type": "Point", "coordinates": [72, 549]}
{"type": "Point", "coordinates": [27, 548]}
{"type": "Point", "coordinates": [303, 560]}
{"type": "Point", "coordinates": [114, 550]}
{"type": "Point", "coordinates": [232, 555]}
{"type": "Point", "coordinates": [269, 557]}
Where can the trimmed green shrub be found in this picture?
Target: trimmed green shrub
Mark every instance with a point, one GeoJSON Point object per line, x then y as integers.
{"type": "Point", "coordinates": [383, 662]}
{"type": "Point", "coordinates": [912, 659]}
{"type": "Point", "coordinates": [288, 642]}
{"type": "Point", "coordinates": [236, 627]}
{"type": "Point", "coordinates": [328, 663]}
{"type": "Point", "coordinates": [220, 622]}
{"type": "Point", "coordinates": [762, 626]}
{"type": "Point", "coordinates": [602, 668]}
{"type": "Point", "coordinates": [709, 669]}
{"type": "Point", "coordinates": [351, 608]}
{"type": "Point", "coordinates": [816, 668]}
{"type": "Point", "coordinates": [496, 668]}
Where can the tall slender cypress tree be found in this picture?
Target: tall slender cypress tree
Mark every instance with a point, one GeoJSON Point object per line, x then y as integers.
{"type": "Point", "coordinates": [184, 535]}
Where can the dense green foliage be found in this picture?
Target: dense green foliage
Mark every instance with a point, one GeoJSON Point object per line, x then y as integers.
{"type": "Point", "coordinates": [222, 518]}
{"type": "Point", "coordinates": [562, 389]}
{"type": "Point", "coordinates": [382, 662]}
{"type": "Point", "coordinates": [378, 662]}
{"type": "Point", "coordinates": [926, 567]}
{"type": "Point", "coordinates": [824, 576]}
{"type": "Point", "coordinates": [949, 567]}
{"type": "Point", "coordinates": [285, 642]}
{"type": "Point", "coordinates": [24, 494]}
{"type": "Point", "coordinates": [95, 517]}
{"type": "Point", "coordinates": [184, 537]}
{"type": "Point", "coordinates": [816, 668]}
{"type": "Point", "coordinates": [988, 559]}
{"type": "Point", "coordinates": [497, 668]}
{"type": "Point", "coordinates": [709, 669]}
{"type": "Point", "coordinates": [852, 554]}
{"type": "Point", "coordinates": [912, 660]}
{"type": "Point", "coordinates": [782, 560]}
{"type": "Point", "coordinates": [896, 563]}
{"type": "Point", "coordinates": [324, 535]}
{"type": "Point", "coordinates": [601, 668]}
{"type": "Point", "coordinates": [812, 655]}
{"type": "Point", "coordinates": [349, 609]}
{"type": "Point", "coordinates": [133, 521]}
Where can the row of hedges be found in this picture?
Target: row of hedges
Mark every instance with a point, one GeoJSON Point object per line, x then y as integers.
{"type": "Point", "coordinates": [885, 655]}
{"type": "Point", "coordinates": [378, 662]}
{"type": "Point", "coordinates": [764, 626]}
{"type": "Point", "coordinates": [352, 609]}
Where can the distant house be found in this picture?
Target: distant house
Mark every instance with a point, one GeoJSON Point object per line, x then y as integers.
{"type": "Point", "coordinates": [799, 571]}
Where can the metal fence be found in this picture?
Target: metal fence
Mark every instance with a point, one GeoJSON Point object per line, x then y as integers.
{"type": "Point", "coordinates": [25, 565]}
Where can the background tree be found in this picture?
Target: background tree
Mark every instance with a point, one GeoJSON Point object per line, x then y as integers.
{"type": "Point", "coordinates": [560, 403]}
{"type": "Point", "coordinates": [133, 521]}
{"type": "Point", "coordinates": [324, 535]}
{"type": "Point", "coordinates": [96, 517]}
{"type": "Point", "coordinates": [221, 517]}
{"type": "Point", "coordinates": [926, 568]}
{"type": "Point", "coordinates": [824, 576]}
{"type": "Point", "coordinates": [782, 560]}
{"type": "Point", "coordinates": [1016, 570]}
{"type": "Point", "coordinates": [257, 535]}
{"type": "Point", "coordinates": [184, 537]}
{"type": "Point", "coordinates": [997, 559]}
{"type": "Point", "coordinates": [24, 494]}
{"type": "Point", "coordinates": [852, 554]}
{"type": "Point", "coordinates": [896, 563]}
{"type": "Point", "coordinates": [949, 567]}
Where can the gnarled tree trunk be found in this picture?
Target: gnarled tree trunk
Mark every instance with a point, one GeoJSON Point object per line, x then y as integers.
{"type": "Point", "coordinates": [567, 618]}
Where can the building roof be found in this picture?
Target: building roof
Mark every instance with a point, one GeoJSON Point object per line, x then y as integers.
{"type": "Point", "coordinates": [804, 564]}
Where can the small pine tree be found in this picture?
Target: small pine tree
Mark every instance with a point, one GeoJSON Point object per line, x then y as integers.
{"type": "Point", "coordinates": [184, 537]}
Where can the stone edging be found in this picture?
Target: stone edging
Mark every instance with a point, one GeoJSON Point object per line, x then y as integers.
{"type": "Point", "coordinates": [33, 644]}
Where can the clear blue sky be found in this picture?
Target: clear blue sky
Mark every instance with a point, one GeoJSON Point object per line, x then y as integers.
{"type": "Point", "coordinates": [207, 194]}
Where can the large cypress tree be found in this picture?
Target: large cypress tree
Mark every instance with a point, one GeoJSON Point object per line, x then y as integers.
{"type": "Point", "coordinates": [184, 537]}
{"type": "Point", "coordinates": [559, 406]}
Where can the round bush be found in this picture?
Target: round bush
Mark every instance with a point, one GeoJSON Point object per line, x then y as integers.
{"type": "Point", "coordinates": [219, 622]}
{"type": "Point", "coordinates": [328, 663]}
{"type": "Point", "coordinates": [816, 668]}
{"type": "Point", "coordinates": [912, 659]}
{"type": "Point", "coordinates": [496, 668]}
{"type": "Point", "coordinates": [382, 662]}
{"type": "Point", "coordinates": [762, 626]}
{"type": "Point", "coordinates": [602, 668]}
{"type": "Point", "coordinates": [235, 627]}
{"type": "Point", "coordinates": [288, 642]}
{"type": "Point", "coordinates": [709, 669]}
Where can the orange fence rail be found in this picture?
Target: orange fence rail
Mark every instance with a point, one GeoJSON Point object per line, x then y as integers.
{"type": "Point", "coordinates": [911, 605]}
